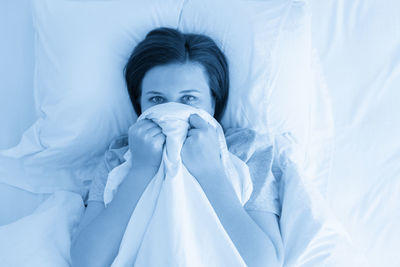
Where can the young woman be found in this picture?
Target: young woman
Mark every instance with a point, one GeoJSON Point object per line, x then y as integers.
{"type": "Point", "coordinates": [169, 66]}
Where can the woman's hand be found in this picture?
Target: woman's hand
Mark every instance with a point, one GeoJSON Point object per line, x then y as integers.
{"type": "Point", "coordinates": [146, 142]}
{"type": "Point", "coordinates": [201, 151]}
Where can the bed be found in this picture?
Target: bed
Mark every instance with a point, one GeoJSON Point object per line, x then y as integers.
{"type": "Point", "coordinates": [346, 118]}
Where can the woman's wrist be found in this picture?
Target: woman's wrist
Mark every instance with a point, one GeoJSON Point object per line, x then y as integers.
{"type": "Point", "coordinates": [213, 171]}
{"type": "Point", "coordinates": [134, 185]}
{"type": "Point", "coordinates": [143, 172]}
{"type": "Point", "coordinates": [217, 186]}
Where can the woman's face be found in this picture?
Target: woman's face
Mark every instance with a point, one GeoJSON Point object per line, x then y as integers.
{"type": "Point", "coordinates": [185, 83]}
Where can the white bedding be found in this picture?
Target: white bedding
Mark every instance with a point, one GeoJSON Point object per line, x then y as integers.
{"type": "Point", "coordinates": [43, 237]}
{"type": "Point", "coordinates": [311, 234]}
{"type": "Point", "coordinates": [358, 43]}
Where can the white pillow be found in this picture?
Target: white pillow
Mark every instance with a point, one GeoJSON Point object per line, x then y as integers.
{"type": "Point", "coordinates": [81, 48]}
{"type": "Point", "coordinates": [298, 101]}
{"type": "Point", "coordinates": [80, 93]}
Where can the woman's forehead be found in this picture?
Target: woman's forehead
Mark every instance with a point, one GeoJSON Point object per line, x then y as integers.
{"type": "Point", "coordinates": [176, 77]}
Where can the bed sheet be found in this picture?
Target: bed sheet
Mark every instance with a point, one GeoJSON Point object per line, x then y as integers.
{"type": "Point", "coordinates": [359, 45]}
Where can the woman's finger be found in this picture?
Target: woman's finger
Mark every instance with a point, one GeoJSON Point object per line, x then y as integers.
{"type": "Point", "coordinates": [149, 123]}
{"type": "Point", "coordinates": [153, 131]}
{"type": "Point", "coordinates": [141, 123]}
{"type": "Point", "coordinates": [197, 122]}
{"type": "Point", "coordinates": [144, 125]}
{"type": "Point", "coordinates": [159, 139]}
{"type": "Point", "coordinates": [194, 131]}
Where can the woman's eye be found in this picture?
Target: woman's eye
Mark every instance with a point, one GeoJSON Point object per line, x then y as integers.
{"type": "Point", "coordinates": [188, 98]}
{"type": "Point", "coordinates": [156, 99]}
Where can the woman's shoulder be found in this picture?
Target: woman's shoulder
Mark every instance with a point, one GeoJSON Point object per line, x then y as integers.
{"type": "Point", "coordinates": [244, 142]}
{"type": "Point", "coordinates": [258, 152]}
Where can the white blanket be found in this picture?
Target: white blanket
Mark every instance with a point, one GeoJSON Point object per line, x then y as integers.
{"type": "Point", "coordinates": [173, 223]}
{"type": "Point", "coordinates": [42, 238]}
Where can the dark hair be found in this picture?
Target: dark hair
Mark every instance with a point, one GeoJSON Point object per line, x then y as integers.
{"type": "Point", "coordinates": [164, 46]}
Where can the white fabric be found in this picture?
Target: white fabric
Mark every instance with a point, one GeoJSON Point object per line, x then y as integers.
{"type": "Point", "coordinates": [297, 98]}
{"type": "Point", "coordinates": [23, 203]}
{"type": "Point", "coordinates": [42, 238]}
{"type": "Point", "coordinates": [173, 223]}
{"type": "Point", "coordinates": [358, 42]}
{"type": "Point", "coordinates": [311, 234]}
{"type": "Point", "coordinates": [16, 71]}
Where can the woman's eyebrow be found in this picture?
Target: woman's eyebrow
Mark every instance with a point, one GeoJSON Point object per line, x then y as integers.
{"type": "Point", "coordinates": [190, 91]}
{"type": "Point", "coordinates": [152, 92]}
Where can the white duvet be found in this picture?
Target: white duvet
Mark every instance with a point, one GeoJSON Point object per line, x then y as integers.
{"type": "Point", "coordinates": [173, 223]}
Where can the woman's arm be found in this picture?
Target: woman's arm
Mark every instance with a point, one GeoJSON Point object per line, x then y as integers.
{"type": "Point", "coordinates": [269, 223]}
{"type": "Point", "coordinates": [98, 241]}
{"type": "Point", "coordinates": [256, 235]}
